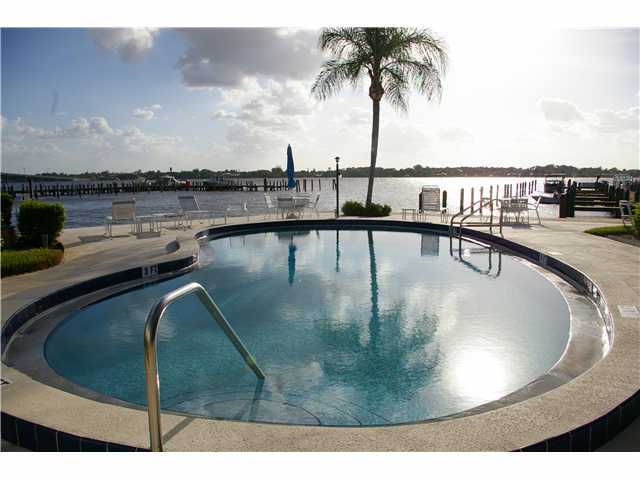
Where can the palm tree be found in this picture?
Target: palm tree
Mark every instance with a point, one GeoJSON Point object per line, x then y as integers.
{"type": "Point", "coordinates": [394, 59]}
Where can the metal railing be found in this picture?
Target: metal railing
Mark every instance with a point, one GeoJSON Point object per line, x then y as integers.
{"type": "Point", "coordinates": [150, 351]}
{"type": "Point", "coordinates": [491, 204]}
{"type": "Point", "coordinates": [459, 254]}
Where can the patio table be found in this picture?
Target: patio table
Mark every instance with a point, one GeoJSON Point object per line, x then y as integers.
{"type": "Point", "coordinates": [292, 205]}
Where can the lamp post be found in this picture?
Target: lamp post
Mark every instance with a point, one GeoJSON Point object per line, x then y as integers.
{"type": "Point", "coordinates": [337, 187]}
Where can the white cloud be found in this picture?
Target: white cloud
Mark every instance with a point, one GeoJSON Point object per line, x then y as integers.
{"type": "Point", "coordinates": [609, 121]}
{"type": "Point", "coordinates": [557, 110]}
{"type": "Point", "coordinates": [80, 128]}
{"type": "Point", "coordinates": [260, 118]}
{"type": "Point", "coordinates": [130, 44]}
{"type": "Point", "coordinates": [564, 117]}
{"type": "Point", "coordinates": [147, 113]}
{"type": "Point", "coordinates": [143, 113]}
{"type": "Point", "coordinates": [224, 57]}
{"type": "Point", "coordinates": [85, 137]}
{"type": "Point", "coordinates": [454, 134]}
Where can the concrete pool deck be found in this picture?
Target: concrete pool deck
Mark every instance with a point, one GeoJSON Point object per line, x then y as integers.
{"type": "Point", "coordinates": [614, 266]}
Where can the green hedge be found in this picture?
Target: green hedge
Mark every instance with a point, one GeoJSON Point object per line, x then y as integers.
{"type": "Point", "coordinates": [36, 219]}
{"type": "Point", "coordinates": [7, 206]}
{"type": "Point", "coordinates": [15, 262]}
{"type": "Point", "coordinates": [612, 230]}
{"type": "Point", "coordinates": [635, 219]}
{"type": "Point", "coordinates": [356, 209]}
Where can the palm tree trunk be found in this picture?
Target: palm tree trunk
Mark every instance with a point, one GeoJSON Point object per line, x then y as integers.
{"type": "Point", "coordinates": [375, 128]}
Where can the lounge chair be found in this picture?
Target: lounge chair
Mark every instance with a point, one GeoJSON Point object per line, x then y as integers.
{"type": "Point", "coordinates": [122, 212]}
{"type": "Point", "coordinates": [191, 210]}
{"type": "Point", "coordinates": [271, 208]}
{"type": "Point", "coordinates": [430, 203]}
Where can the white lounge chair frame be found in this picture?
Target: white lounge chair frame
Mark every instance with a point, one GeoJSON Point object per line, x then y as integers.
{"type": "Point", "coordinates": [122, 212]}
{"type": "Point", "coordinates": [192, 211]}
{"type": "Point", "coordinates": [430, 203]}
{"type": "Point", "coordinates": [271, 208]}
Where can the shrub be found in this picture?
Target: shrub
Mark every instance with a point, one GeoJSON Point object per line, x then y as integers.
{"type": "Point", "coordinates": [7, 206]}
{"type": "Point", "coordinates": [609, 230]}
{"type": "Point", "coordinates": [36, 219]}
{"type": "Point", "coordinates": [23, 261]}
{"type": "Point", "coordinates": [8, 236]}
{"type": "Point", "coordinates": [635, 219]}
{"type": "Point", "coordinates": [356, 209]}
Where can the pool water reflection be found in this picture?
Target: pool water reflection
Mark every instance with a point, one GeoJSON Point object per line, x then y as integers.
{"type": "Point", "coordinates": [352, 327]}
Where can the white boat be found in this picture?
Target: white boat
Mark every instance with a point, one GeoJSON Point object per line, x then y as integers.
{"type": "Point", "coordinates": [554, 186]}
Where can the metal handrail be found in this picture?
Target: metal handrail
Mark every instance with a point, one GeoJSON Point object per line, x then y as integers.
{"type": "Point", "coordinates": [151, 358]}
{"type": "Point", "coordinates": [475, 207]}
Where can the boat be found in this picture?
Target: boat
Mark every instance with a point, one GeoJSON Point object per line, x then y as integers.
{"type": "Point", "coordinates": [168, 180]}
{"type": "Point", "coordinates": [554, 186]}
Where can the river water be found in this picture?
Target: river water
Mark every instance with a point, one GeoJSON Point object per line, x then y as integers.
{"type": "Point", "coordinates": [399, 193]}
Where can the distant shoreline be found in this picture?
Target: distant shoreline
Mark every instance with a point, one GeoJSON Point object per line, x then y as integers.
{"type": "Point", "coordinates": [128, 177]}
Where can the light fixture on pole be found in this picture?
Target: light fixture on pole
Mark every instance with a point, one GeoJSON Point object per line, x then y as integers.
{"type": "Point", "coordinates": [337, 187]}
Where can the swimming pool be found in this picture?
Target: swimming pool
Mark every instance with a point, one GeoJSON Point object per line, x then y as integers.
{"type": "Point", "coordinates": [351, 326]}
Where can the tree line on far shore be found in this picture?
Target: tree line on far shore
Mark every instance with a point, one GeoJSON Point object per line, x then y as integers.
{"type": "Point", "coordinates": [415, 171]}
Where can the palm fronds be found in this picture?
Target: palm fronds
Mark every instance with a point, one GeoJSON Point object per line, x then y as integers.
{"type": "Point", "coordinates": [393, 58]}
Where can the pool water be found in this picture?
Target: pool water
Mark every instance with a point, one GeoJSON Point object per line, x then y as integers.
{"type": "Point", "coordinates": [352, 327]}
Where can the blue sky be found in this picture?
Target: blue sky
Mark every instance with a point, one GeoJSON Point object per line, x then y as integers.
{"type": "Point", "coordinates": [123, 99]}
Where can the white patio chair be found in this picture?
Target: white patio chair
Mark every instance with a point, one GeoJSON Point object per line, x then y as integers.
{"type": "Point", "coordinates": [191, 210]}
{"type": "Point", "coordinates": [271, 208]}
{"type": "Point", "coordinates": [515, 207]}
{"type": "Point", "coordinates": [242, 209]}
{"type": "Point", "coordinates": [430, 203]}
{"type": "Point", "coordinates": [122, 212]}
{"type": "Point", "coordinates": [533, 207]}
{"type": "Point", "coordinates": [626, 211]}
{"type": "Point", "coordinates": [313, 207]}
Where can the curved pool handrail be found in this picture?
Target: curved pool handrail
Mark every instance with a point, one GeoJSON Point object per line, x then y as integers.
{"type": "Point", "coordinates": [151, 358]}
{"type": "Point", "coordinates": [469, 211]}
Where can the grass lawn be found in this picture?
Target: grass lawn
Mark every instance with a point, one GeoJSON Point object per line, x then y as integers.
{"type": "Point", "coordinates": [613, 230]}
{"type": "Point", "coordinates": [15, 262]}
{"type": "Point", "coordinates": [616, 232]}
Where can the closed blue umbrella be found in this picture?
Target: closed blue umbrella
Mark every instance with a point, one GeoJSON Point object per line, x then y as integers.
{"type": "Point", "coordinates": [291, 181]}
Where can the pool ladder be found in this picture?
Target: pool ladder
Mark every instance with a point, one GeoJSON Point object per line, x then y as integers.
{"type": "Point", "coordinates": [151, 358]}
{"type": "Point", "coordinates": [466, 216]}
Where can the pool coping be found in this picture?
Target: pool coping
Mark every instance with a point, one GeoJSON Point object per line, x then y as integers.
{"type": "Point", "coordinates": [585, 346]}
{"type": "Point", "coordinates": [588, 435]}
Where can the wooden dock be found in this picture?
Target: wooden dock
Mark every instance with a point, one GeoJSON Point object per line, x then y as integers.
{"type": "Point", "coordinates": [596, 197]}
{"type": "Point", "coordinates": [77, 189]}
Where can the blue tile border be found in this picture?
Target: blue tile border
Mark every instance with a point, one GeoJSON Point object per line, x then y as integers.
{"type": "Point", "coordinates": [587, 437]}
{"type": "Point", "coordinates": [43, 439]}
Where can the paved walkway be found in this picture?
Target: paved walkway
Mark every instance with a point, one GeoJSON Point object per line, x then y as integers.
{"type": "Point", "coordinates": [614, 266]}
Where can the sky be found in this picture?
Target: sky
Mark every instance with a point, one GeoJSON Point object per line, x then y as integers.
{"type": "Point", "coordinates": [123, 99]}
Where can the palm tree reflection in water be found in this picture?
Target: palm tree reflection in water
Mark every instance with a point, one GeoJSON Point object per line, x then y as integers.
{"type": "Point", "coordinates": [388, 356]}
